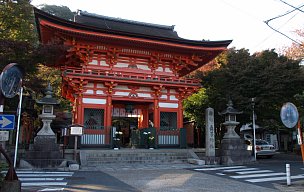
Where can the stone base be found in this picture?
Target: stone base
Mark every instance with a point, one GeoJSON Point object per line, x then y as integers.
{"type": "Point", "coordinates": [9, 186]}
{"type": "Point", "coordinates": [45, 152]}
{"type": "Point", "coordinates": [45, 143]}
{"type": "Point", "coordinates": [234, 152]}
{"type": "Point", "coordinates": [212, 160]}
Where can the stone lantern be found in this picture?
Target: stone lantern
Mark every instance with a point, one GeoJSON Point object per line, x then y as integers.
{"type": "Point", "coordinates": [47, 114]}
{"type": "Point", "coordinates": [233, 149]}
{"type": "Point", "coordinates": [45, 151]}
{"type": "Point", "coordinates": [230, 121]}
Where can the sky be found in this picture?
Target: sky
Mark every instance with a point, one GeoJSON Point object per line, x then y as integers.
{"type": "Point", "coordinates": [239, 20]}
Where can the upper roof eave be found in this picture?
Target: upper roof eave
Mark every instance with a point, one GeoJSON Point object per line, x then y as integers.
{"type": "Point", "coordinates": [59, 21]}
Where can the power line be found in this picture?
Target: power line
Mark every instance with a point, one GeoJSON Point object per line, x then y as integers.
{"type": "Point", "coordinates": [288, 12]}
{"type": "Point", "coordinates": [276, 30]}
{"type": "Point", "coordinates": [267, 23]}
{"type": "Point", "coordinates": [297, 8]}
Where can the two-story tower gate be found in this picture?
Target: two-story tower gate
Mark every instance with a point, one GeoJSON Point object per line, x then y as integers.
{"type": "Point", "coordinates": [125, 74]}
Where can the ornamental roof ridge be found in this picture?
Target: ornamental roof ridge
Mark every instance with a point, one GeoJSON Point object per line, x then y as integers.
{"type": "Point", "coordinates": [85, 13]}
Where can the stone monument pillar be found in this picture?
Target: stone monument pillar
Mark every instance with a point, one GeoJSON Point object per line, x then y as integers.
{"type": "Point", "coordinates": [210, 158]}
{"type": "Point", "coordinates": [233, 149]}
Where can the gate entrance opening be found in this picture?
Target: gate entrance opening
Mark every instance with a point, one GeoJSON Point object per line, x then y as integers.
{"type": "Point", "coordinates": [125, 125]}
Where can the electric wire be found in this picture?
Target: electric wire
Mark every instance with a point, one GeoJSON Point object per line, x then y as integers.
{"type": "Point", "coordinates": [277, 30]}
{"type": "Point", "coordinates": [297, 8]}
{"type": "Point", "coordinates": [288, 12]}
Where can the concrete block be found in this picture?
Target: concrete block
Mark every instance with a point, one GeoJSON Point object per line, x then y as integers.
{"type": "Point", "coordinates": [196, 161]}
{"type": "Point", "coordinates": [25, 164]}
{"type": "Point", "coordinates": [74, 167]}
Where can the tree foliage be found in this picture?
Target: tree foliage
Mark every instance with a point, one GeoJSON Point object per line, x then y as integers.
{"type": "Point", "coordinates": [266, 76]}
{"type": "Point", "coordinates": [60, 11]}
{"type": "Point", "coordinates": [19, 44]}
{"type": "Point", "coordinates": [296, 51]}
{"type": "Point", "coordinates": [17, 21]}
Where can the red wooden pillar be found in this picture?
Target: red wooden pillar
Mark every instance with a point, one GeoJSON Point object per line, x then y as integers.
{"type": "Point", "coordinates": [78, 118]}
{"type": "Point", "coordinates": [180, 117]}
{"type": "Point", "coordinates": [108, 121]}
{"type": "Point", "coordinates": [145, 113]}
{"type": "Point", "coordinates": [156, 114]}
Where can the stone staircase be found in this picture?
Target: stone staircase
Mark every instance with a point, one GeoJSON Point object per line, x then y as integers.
{"type": "Point", "coordinates": [132, 156]}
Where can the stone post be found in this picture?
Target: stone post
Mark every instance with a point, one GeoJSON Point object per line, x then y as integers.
{"type": "Point", "coordinates": [210, 139]}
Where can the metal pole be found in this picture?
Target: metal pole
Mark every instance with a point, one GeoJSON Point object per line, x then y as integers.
{"type": "Point", "coordinates": [3, 143]}
{"type": "Point", "coordinates": [75, 147]}
{"type": "Point", "coordinates": [253, 127]}
{"type": "Point", "coordinates": [18, 126]}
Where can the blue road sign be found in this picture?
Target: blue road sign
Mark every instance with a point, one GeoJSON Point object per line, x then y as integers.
{"type": "Point", "coordinates": [7, 121]}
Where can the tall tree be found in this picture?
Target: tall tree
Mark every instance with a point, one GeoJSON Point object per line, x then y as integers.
{"type": "Point", "coordinates": [270, 78]}
{"type": "Point", "coordinates": [19, 44]}
{"type": "Point", "coordinates": [17, 21]}
{"type": "Point", "coordinates": [296, 51]}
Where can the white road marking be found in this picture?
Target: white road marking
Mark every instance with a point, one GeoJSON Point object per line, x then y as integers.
{"type": "Point", "coordinates": [41, 179]}
{"type": "Point", "coordinates": [220, 174]}
{"type": "Point", "coordinates": [274, 179]}
{"type": "Point", "coordinates": [52, 189]}
{"type": "Point", "coordinates": [57, 172]}
{"type": "Point", "coordinates": [257, 175]}
{"type": "Point", "coordinates": [252, 172]}
{"type": "Point", "coordinates": [218, 168]}
{"type": "Point", "coordinates": [44, 178]}
{"type": "Point", "coordinates": [44, 175]}
{"type": "Point", "coordinates": [235, 170]}
{"type": "Point", "coordinates": [43, 183]}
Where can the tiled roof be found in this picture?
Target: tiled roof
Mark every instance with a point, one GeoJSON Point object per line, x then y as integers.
{"type": "Point", "coordinates": [123, 25]}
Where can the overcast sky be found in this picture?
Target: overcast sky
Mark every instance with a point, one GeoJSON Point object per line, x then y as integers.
{"type": "Point", "coordinates": [239, 20]}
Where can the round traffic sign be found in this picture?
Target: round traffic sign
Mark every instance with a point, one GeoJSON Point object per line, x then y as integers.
{"type": "Point", "coordinates": [10, 80]}
{"type": "Point", "coordinates": [289, 115]}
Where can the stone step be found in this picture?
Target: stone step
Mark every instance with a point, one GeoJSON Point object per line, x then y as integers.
{"type": "Point", "coordinates": [97, 157]}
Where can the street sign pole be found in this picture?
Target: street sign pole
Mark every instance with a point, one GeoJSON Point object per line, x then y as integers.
{"type": "Point", "coordinates": [18, 125]}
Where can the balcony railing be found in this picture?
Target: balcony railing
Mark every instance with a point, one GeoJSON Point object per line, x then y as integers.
{"type": "Point", "coordinates": [131, 76]}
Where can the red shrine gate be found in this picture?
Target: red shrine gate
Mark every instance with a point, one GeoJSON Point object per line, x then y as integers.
{"type": "Point", "coordinates": [125, 74]}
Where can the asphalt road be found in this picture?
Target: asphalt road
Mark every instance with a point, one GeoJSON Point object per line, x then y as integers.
{"type": "Point", "coordinates": [175, 178]}
{"type": "Point", "coordinates": [269, 173]}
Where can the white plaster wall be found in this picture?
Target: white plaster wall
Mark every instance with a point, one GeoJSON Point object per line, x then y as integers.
{"type": "Point", "coordinates": [121, 87]}
{"type": "Point", "coordinates": [99, 92]}
{"type": "Point", "coordinates": [94, 101]}
{"type": "Point", "coordinates": [93, 62]}
{"type": "Point", "coordinates": [144, 88]}
{"type": "Point", "coordinates": [168, 105]}
{"type": "Point", "coordinates": [168, 70]}
{"type": "Point", "coordinates": [146, 95]}
{"type": "Point", "coordinates": [89, 85]}
{"type": "Point", "coordinates": [122, 65]}
{"type": "Point", "coordinates": [89, 91]}
{"type": "Point", "coordinates": [119, 93]}
{"type": "Point", "coordinates": [103, 63]}
{"type": "Point", "coordinates": [100, 85]}
{"type": "Point", "coordinates": [173, 97]}
{"type": "Point", "coordinates": [143, 67]}
{"type": "Point", "coordinates": [164, 97]}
